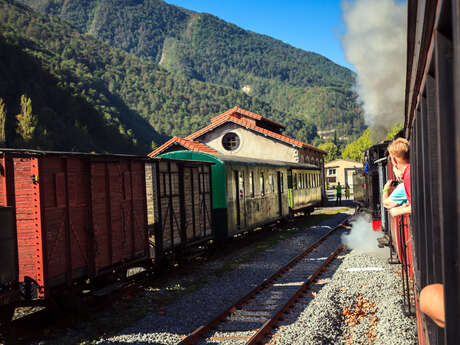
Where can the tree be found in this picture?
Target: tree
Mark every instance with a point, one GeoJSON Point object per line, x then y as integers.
{"type": "Point", "coordinates": [331, 149]}
{"type": "Point", "coordinates": [2, 121]}
{"type": "Point", "coordinates": [27, 122]}
{"type": "Point", "coordinates": [393, 131]}
{"type": "Point", "coordinates": [355, 149]}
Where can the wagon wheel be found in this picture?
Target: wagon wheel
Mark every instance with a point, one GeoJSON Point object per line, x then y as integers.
{"type": "Point", "coordinates": [120, 273]}
{"type": "Point", "coordinates": [6, 313]}
{"type": "Point", "coordinates": [68, 301]}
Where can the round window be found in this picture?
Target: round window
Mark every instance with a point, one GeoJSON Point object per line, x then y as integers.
{"type": "Point", "coordinates": [231, 141]}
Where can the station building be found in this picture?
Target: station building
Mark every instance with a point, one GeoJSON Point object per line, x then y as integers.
{"type": "Point", "coordinates": [341, 170]}
{"type": "Point", "coordinates": [242, 133]}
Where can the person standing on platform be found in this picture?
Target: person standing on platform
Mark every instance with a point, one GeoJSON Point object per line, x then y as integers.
{"type": "Point", "coordinates": [347, 191]}
{"type": "Point", "coordinates": [338, 201]}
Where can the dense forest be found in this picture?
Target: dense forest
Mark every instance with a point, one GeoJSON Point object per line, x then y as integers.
{"type": "Point", "coordinates": [304, 85]}
{"type": "Point", "coordinates": [90, 96]}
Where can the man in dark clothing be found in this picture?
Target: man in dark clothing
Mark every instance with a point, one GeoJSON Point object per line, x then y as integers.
{"type": "Point", "coordinates": [339, 194]}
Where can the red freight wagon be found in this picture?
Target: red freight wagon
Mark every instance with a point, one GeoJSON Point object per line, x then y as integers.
{"type": "Point", "coordinates": [77, 215]}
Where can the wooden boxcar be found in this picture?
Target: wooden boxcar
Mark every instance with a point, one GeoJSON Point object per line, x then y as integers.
{"type": "Point", "coordinates": [248, 193]}
{"type": "Point", "coordinates": [179, 204]}
{"type": "Point", "coordinates": [77, 215]}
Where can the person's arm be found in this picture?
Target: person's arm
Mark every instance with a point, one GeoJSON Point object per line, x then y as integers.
{"type": "Point", "coordinates": [399, 211]}
{"type": "Point", "coordinates": [385, 194]}
{"type": "Point", "coordinates": [387, 203]}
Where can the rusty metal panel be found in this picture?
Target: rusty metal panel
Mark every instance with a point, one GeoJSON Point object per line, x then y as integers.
{"type": "Point", "coordinates": [23, 193]}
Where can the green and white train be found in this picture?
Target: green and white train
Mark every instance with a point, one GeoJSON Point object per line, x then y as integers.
{"type": "Point", "coordinates": [248, 193]}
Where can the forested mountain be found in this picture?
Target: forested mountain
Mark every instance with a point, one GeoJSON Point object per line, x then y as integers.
{"type": "Point", "coordinates": [303, 84]}
{"type": "Point", "coordinates": [88, 95]}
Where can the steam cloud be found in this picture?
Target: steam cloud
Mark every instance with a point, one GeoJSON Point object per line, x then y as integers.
{"type": "Point", "coordinates": [375, 44]}
{"type": "Point", "coordinates": [363, 239]}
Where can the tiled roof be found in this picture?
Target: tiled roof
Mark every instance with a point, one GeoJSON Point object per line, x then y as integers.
{"type": "Point", "coordinates": [248, 114]}
{"type": "Point", "coordinates": [247, 124]}
{"type": "Point", "coordinates": [188, 144]}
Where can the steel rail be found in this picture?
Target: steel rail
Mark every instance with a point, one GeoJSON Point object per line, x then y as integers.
{"type": "Point", "coordinates": [202, 331]}
{"type": "Point", "coordinates": [269, 324]}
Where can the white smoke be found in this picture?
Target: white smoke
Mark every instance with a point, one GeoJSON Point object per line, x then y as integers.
{"type": "Point", "coordinates": [375, 44]}
{"type": "Point", "coordinates": [363, 238]}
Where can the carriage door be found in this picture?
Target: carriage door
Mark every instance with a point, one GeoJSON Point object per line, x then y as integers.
{"type": "Point", "coordinates": [280, 192]}
{"type": "Point", "coordinates": [239, 197]}
{"type": "Point", "coordinates": [290, 196]}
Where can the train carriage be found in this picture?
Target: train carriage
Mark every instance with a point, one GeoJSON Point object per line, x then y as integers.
{"type": "Point", "coordinates": [427, 242]}
{"type": "Point", "coordinates": [249, 193]}
{"type": "Point", "coordinates": [432, 124]}
{"type": "Point", "coordinates": [179, 205]}
{"type": "Point", "coordinates": [77, 215]}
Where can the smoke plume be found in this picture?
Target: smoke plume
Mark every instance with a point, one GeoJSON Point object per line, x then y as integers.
{"type": "Point", "coordinates": [375, 44]}
{"type": "Point", "coordinates": [363, 239]}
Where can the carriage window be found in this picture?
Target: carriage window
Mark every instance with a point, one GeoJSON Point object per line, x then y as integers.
{"type": "Point", "coordinates": [262, 184]}
{"type": "Point", "coordinates": [281, 182]}
{"type": "Point", "coordinates": [272, 184]}
{"type": "Point", "coordinates": [251, 183]}
{"type": "Point", "coordinates": [294, 184]}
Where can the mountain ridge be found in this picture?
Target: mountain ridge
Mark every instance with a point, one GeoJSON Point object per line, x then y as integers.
{"type": "Point", "coordinates": [201, 46]}
{"type": "Point", "coordinates": [135, 101]}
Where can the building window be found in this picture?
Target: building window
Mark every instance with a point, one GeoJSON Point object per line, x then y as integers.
{"type": "Point", "coordinates": [231, 141]}
{"type": "Point", "coordinates": [262, 184]}
{"type": "Point", "coordinates": [331, 171]}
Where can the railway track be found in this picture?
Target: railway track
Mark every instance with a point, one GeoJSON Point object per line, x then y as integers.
{"type": "Point", "coordinates": [252, 319]}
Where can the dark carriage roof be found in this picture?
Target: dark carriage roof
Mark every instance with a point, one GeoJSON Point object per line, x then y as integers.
{"type": "Point", "coordinates": [256, 162]}
{"type": "Point", "coordinates": [102, 156]}
{"type": "Point", "coordinates": [28, 152]}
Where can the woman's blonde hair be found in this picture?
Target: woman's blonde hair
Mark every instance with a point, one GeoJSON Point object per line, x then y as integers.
{"type": "Point", "coordinates": [399, 148]}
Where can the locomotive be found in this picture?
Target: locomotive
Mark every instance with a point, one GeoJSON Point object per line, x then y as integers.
{"type": "Point", "coordinates": [75, 221]}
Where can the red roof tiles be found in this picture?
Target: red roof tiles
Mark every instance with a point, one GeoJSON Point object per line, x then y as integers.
{"type": "Point", "coordinates": [246, 113]}
{"type": "Point", "coordinates": [229, 116]}
{"type": "Point", "coordinates": [247, 124]}
{"type": "Point", "coordinates": [188, 144]}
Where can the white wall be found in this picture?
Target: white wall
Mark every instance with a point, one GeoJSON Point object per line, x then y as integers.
{"type": "Point", "coordinates": [252, 144]}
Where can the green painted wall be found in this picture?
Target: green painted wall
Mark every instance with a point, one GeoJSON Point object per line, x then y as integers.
{"type": "Point", "coordinates": [219, 184]}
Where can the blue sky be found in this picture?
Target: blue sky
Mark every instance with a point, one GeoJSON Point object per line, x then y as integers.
{"type": "Point", "coordinates": [312, 25]}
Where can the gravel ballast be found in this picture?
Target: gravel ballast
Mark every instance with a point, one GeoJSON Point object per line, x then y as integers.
{"type": "Point", "coordinates": [320, 320]}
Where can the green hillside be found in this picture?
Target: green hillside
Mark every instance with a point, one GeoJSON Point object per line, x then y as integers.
{"type": "Point", "coordinates": [90, 96]}
{"type": "Point", "coordinates": [303, 84]}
